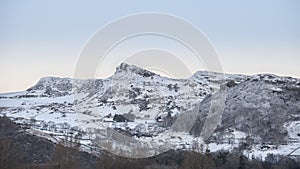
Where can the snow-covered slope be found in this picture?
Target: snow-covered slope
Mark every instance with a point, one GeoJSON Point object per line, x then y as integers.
{"type": "Point", "coordinates": [261, 116]}
{"type": "Point", "coordinates": [145, 106]}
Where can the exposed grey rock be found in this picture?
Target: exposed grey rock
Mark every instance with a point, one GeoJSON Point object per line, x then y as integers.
{"type": "Point", "coordinates": [121, 118]}
{"type": "Point", "coordinates": [259, 107]}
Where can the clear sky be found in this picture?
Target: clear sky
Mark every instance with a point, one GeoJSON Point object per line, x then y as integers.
{"type": "Point", "coordinates": [44, 38]}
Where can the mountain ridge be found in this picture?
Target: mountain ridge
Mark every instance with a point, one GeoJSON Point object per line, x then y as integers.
{"type": "Point", "coordinates": [146, 106]}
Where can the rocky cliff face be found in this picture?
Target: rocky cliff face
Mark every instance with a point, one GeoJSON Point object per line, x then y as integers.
{"type": "Point", "coordinates": [265, 108]}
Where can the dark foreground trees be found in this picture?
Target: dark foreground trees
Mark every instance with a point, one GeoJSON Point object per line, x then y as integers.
{"type": "Point", "coordinates": [193, 160]}
{"type": "Point", "coordinates": [70, 158]}
{"type": "Point", "coordinates": [10, 156]}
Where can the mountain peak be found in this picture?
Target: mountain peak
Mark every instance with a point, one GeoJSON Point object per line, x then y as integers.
{"type": "Point", "coordinates": [127, 68]}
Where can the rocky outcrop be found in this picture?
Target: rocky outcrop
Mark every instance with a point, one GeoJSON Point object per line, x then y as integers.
{"type": "Point", "coordinates": [260, 106]}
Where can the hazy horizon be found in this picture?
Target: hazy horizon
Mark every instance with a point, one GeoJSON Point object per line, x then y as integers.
{"type": "Point", "coordinates": [41, 39]}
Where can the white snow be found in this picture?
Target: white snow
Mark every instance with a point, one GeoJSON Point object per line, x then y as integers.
{"type": "Point", "coordinates": [276, 89]}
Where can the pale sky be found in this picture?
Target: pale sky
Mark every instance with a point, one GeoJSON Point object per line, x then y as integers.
{"type": "Point", "coordinates": [44, 38]}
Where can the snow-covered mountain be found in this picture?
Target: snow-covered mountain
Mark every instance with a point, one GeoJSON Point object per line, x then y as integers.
{"type": "Point", "coordinates": [261, 113]}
